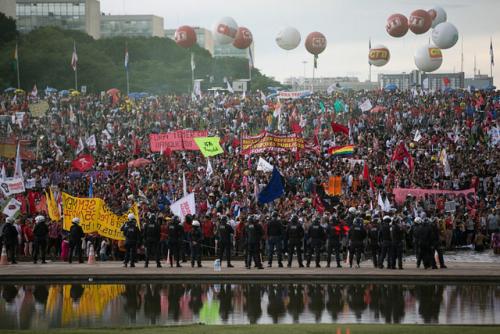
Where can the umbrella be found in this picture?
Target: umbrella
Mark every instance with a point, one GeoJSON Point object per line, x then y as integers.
{"type": "Point", "coordinates": [75, 93]}
{"type": "Point", "coordinates": [136, 95]}
{"type": "Point", "coordinates": [378, 109]}
{"type": "Point", "coordinates": [113, 91]}
{"type": "Point", "coordinates": [448, 90]}
{"type": "Point", "coordinates": [141, 162]}
{"type": "Point", "coordinates": [19, 91]}
{"type": "Point", "coordinates": [49, 90]}
{"type": "Point", "coordinates": [64, 93]}
{"type": "Point", "coordinates": [391, 87]}
{"type": "Point", "coordinates": [10, 89]}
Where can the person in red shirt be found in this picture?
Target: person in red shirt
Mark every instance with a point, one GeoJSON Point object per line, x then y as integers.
{"type": "Point", "coordinates": [27, 233]}
{"type": "Point", "coordinates": [208, 230]}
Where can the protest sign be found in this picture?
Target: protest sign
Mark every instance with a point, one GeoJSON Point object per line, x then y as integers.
{"type": "Point", "coordinates": [183, 207]}
{"type": "Point", "coordinates": [267, 142]}
{"type": "Point", "coordinates": [209, 146]}
{"type": "Point", "coordinates": [12, 186]}
{"type": "Point", "coordinates": [180, 140]}
{"type": "Point", "coordinates": [294, 95]}
{"type": "Point", "coordinates": [400, 194]}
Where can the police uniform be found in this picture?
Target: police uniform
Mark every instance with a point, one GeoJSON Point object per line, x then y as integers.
{"type": "Point", "coordinates": [384, 238]}
{"type": "Point", "coordinates": [175, 238]}
{"type": "Point", "coordinates": [41, 233]}
{"type": "Point", "coordinates": [253, 236]}
{"type": "Point", "coordinates": [316, 237]}
{"type": "Point", "coordinates": [75, 240]}
{"type": "Point", "coordinates": [295, 237]}
{"type": "Point", "coordinates": [195, 240]}
{"type": "Point", "coordinates": [357, 235]}
{"type": "Point", "coordinates": [224, 233]}
{"type": "Point", "coordinates": [152, 240]}
{"type": "Point", "coordinates": [275, 239]}
{"type": "Point", "coordinates": [373, 240]}
{"type": "Point", "coordinates": [131, 233]}
{"type": "Point", "coordinates": [397, 237]}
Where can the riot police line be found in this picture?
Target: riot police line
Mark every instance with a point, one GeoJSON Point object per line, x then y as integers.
{"type": "Point", "coordinates": [350, 238]}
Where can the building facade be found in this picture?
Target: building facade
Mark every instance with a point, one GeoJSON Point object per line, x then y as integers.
{"type": "Point", "coordinates": [426, 81]}
{"type": "Point", "coordinates": [322, 84]}
{"type": "Point", "coordinates": [203, 38]}
{"type": "Point", "coordinates": [8, 7]}
{"type": "Point", "coordinates": [132, 26]}
{"type": "Point", "coordinates": [479, 81]}
{"type": "Point", "coordinates": [82, 15]}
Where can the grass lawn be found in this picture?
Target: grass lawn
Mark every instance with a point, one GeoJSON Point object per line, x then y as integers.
{"type": "Point", "coordinates": [278, 329]}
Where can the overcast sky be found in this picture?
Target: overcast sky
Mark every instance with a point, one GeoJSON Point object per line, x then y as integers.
{"type": "Point", "coordinates": [347, 25]}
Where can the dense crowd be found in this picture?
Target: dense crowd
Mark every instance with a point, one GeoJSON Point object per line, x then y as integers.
{"type": "Point", "coordinates": [229, 219]}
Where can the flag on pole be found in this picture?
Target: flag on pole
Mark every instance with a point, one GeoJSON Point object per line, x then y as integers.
{"type": "Point", "coordinates": [18, 171]}
{"type": "Point", "coordinates": [126, 58]}
{"type": "Point", "coordinates": [184, 185]}
{"type": "Point", "coordinates": [210, 170]}
{"type": "Point", "coordinates": [80, 147]}
{"type": "Point", "coordinates": [274, 188]}
{"type": "Point", "coordinates": [3, 173]}
{"type": "Point", "coordinates": [74, 57]}
{"type": "Point", "coordinates": [15, 58]}
{"type": "Point", "coordinates": [250, 57]}
{"type": "Point", "coordinates": [193, 64]}
{"type": "Point", "coordinates": [492, 56]}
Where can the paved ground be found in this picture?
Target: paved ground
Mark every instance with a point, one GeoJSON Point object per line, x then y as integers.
{"type": "Point", "coordinates": [113, 271]}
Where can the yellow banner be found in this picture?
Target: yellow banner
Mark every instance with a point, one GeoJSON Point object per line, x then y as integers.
{"type": "Point", "coordinates": [52, 208]}
{"type": "Point", "coordinates": [95, 216]}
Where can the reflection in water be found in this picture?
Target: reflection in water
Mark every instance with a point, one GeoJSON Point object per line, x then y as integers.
{"type": "Point", "coordinates": [97, 305]}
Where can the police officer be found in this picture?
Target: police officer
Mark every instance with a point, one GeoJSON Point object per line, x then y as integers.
{"type": "Point", "coordinates": [175, 239]}
{"type": "Point", "coordinates": [10, 236]}
{"type": "Point", "coordinates": [195, 239]}
{"type": "Point", "coordinates": [295, 237]}
{"type": "Point", "coordinates": [253, 236]}
{"type": "Point", "coordinates": [424, 241]}
{"type": "Point", "coordinates": [373, 241]}
{"type": "Point", "coordinates": [384, 239]}
{"type": "Point", "coordinates": [40, 233]}
{"type": "Point", "coordinates": [397, 238]}
{"type": "Point", "coordinates": [151, 235]}
{"type": "Point", "coordinates": [334, 236]}
{"type": "Point", "coordinates": [316, 237]}
{"type": "Point", "coordinates": [357, 235]}
{"type": "Point", "coordinates": [275, 239]}
{"type": "Point", "coordinates": [131, 233]}
{"type": "Point", "coordinates": [415, 231]}
{"type": "Point", "coordinates": [75, 240]}
{"type": "Point", "coordinates": [224, 233]}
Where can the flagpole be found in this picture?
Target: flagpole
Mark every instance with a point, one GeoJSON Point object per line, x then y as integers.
{"type": "Point", "coordinates": [126, 69]}
{"type": "Point", "coordinates": [76, 66]}
{"type": "Point", "coordinates": [491, 59]}
{"type": "Point", "coordinates": [192, 72]}
{"type": "Point", "coordinates": [17, 67]}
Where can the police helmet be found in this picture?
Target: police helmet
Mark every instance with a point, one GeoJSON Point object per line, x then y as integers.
{"type": "Point", "coordinates": [75, 220]}
{"type": "Point", "coordinates": [39, 219]}
{"type": "Point", "coordinates": [195, 223]}
{"type": "Point", "coordinates": [131, 216]}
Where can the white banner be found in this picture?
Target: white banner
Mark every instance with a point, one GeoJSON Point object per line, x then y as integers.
{"type": "Point", "coordinates": [183, 207]}
{"type": "Point", "coordinates": [12, 207]}
{"type": "Point", "coordinates": [12, 186]}
{"type": "Point", "coordinates": [91, 142]}
{"type": "Point", "coordinates": [264, 166]}
{"type": "Point", "coordinates": [294, 95]}
{"type": "Point", "coordinates": [366, 106]}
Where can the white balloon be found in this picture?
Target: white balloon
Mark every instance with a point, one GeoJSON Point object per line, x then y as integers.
{"type": "Point", "coordinates": [441, 16]}
{"type": "Point", "coordinates": [288, 38]}
{"type": "Point", "coordinates": [379, 55]}
{"type": "Point", "coordinates": [445, 35]}
{"type": "Point", "coordinates": [428, 58]}
{"type": "Point", "coordinates": [225, 30]}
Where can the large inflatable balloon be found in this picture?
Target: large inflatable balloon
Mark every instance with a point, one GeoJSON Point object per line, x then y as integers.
{"type": "Point", "coordinates": [420, 21]}
{"type": "Point", "coordinates": [428, 58]}
{"type": "Point", "coordinates": [397, 25]}
{"type": "Point", "coordinates": [379, 55]}
{"type": "Point", "coordinates": [288, 38]}
{"type": "Point", "coordinates": [445, 35]}
{"type": "Point", "coordinates": [438, 15]}
{"type": "Point", "coordinates": [315, 43]}
{"type": "Point", "coordinates": [225, 30]}
{"type": "Point", "coordinates": [243, 38]}
{"type": "Point", "coordinates": [185, 36]}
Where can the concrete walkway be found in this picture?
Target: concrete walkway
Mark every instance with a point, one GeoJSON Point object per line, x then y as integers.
{"type": "Point", "coordinates": [114, 271]}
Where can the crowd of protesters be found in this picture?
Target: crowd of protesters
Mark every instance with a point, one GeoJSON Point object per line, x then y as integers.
{"type": "Point", "coordinates": [351, 223]}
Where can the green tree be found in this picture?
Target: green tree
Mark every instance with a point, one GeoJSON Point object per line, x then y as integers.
{"type": "Point", "coordinates": [8, 29]}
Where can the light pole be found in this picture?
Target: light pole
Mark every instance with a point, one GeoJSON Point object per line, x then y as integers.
{"type": "Point", "coordinates": [304, 62]}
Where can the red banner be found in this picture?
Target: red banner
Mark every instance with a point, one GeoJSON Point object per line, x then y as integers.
{"type": "Point", "coordinates": [268, 142]}
{"type": "Point", "coordinates": [400, 194]}
{"type": "Point", "coordinates": [180, 140]}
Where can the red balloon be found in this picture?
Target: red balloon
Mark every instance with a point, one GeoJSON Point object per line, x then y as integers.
{"type": "Point", "coordinates": [315, 43]}
{"type": "Point", "coordinates": [397, 25]}
{"type": "Point", "coordinates": [420, 21]}
{"type": "Point", "coordinates": [185, 36]}
{"type": "Point", "coordinates": [243, 38]}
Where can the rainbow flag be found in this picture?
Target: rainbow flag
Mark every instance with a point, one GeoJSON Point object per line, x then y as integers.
{"type": "Point", "coordinates": [341, 150]}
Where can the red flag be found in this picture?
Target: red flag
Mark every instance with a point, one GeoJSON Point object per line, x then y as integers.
{"type": "Point", "coordinates": [366, 172]}
{"type": "Point", "coordinates": [296, 128]}
{"type": "Point", "coordinates": [446, 81]}
{"type": "Point", "coordinates": [317, 204]}
{"type": "Point", "coordinates": [400, 152]}
{"type": "Point", "coordinates": [336, 127]}
{"type": "Point", "coordinates": [73, 143]}
{"type": "Point", "coordinates": [83, 163]}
